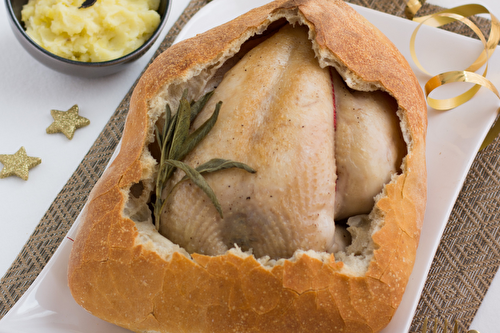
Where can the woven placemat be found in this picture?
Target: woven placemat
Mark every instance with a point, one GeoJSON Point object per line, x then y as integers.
{"type": "Point", "coordinates": [464, 265]}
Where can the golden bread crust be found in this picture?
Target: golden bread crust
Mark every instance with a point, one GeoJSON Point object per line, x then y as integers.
{"type": "Point", "coordinates": [120, 279]}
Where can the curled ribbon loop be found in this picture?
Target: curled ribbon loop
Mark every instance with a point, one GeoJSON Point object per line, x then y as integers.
{"type": "Point", "coordinates": [468, 75]}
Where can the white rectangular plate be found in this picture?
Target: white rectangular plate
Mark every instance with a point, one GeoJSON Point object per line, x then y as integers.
{"type": "Point", "coordinates": [452, 142]}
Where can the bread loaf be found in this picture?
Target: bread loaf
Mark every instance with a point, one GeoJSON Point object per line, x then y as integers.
{"type": "Point", "coordinates": [124, 271]}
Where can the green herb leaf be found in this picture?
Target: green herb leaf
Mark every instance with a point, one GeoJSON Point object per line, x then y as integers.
{"type": "Point", "coordinates": [218, 164]}
{"type": "Point", "coordinates": [168, 129]}
{"type": "Point", "coordinates": [198, 180]}
{"type": "Point", "coordinates": [158, 137]}
{"type": "Point", "coordinates": [168, 116]}
{"type": "Point", "coordinates": [181, 129]}
{"type": "Point", "coordinates": [170, 133]}
{"type": "Point", "coordinates": [197, 106]}
{"type": "Point", "coordinates": [194, 138]}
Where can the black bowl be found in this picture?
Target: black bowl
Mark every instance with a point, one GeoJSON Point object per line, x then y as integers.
{"type": "Point", "coordinates": [78, 68]}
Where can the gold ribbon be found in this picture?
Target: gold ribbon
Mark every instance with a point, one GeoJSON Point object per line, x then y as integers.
{"type": "Point", "coordinates": [468, 75]}
{"type": "Point", "coordinates": [412, 8]}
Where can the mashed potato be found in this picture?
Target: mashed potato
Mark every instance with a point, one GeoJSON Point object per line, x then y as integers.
{"type": "Point", "coordinates": [107, 30]}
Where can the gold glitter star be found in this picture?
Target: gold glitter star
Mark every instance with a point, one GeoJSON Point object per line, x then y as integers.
{"type": "Point", "coordinates": [18, 164]}
{"type": "Point", "coordinates": [67, 122]}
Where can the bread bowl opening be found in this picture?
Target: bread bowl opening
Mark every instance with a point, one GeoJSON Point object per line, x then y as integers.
{"type": "Point", "coordinates": [323, 142]}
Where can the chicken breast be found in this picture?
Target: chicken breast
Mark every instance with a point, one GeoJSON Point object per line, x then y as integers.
{"type": "Point", "coordinates": [277, 117]}
{"type": "Point", "coordinates": [369, 147]}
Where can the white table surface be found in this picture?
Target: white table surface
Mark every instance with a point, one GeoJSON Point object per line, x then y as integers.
{"type": "Point", "coordinates": [28, 91]}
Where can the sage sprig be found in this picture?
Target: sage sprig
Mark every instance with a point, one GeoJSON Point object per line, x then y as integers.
{"type": "Point", "coordinates": [176, 143]}
{"type": "Point", "coordinates": [217, 164]}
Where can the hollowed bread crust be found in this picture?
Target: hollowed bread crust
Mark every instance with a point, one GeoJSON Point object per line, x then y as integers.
{"type": "Point", "coordinates": [127, 276]}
